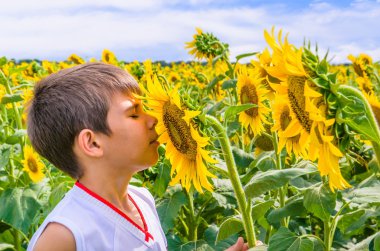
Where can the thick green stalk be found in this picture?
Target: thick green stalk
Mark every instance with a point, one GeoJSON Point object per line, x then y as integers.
{"type": "Point", "coordinates": [327, 236]}
{"type": "Point", "coordinates": [244, 207]}
{"type": "Point", "coordinates": [14, 107]}
{"type": "Point", "coordinates": [17, 241]}
{"type": "Point", "coordinates": [279, 166]}
{"type": "Point", "coordinates": [193, 226]}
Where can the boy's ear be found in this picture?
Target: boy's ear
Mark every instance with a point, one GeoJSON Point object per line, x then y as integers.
{"type": "Point", "coordinates": [89, 144]}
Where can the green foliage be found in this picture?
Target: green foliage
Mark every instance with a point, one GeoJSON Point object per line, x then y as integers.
{"type": "Point", "coordinates": [232, 111]}
{"type": "Point", "coordinates": [285, 240]}
{"type": "Point", "coordinates": [229, 227]}
{"type": "Point", "coordinates": [292, 208]}
{"type": "Point", "coordinates": [320, 201]}
{"type": "Point", "coordinates": [168, 209]}
{"type": "Point", "coordinates": [356, 112]}
{"type": "Point", "coordinates": [265, 181]}
{"type": "Point", "coordinates": [22, 208]}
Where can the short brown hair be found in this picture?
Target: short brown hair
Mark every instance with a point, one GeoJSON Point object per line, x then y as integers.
{"type": "Point", "coordinates": [69, 101]}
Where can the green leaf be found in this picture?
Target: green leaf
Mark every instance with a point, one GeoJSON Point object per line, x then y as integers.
{"type": "Point", "coordinates": [364, 244]}
{"type": "Point", "coordinates": [5, 151]}
{"type": "Point", "coordinates": [273, 179]}
{"type": "Point", "coordinates": [175, 244]}
{"type": "Point", "coordinates": [21, 207]}
{"type": "Point", "coordinates": [352, 221]}
{"type": "Point", "coordinates": [284, 240]}
{"type": "Point", "coordinates": [370, 195]}
{"type": "Point", "coordinates": [375, 243]}
{"type": "Point", "coordinates": [356, 112]}
{"type": "Point", "coordinates": [4, 227]}
{"type": "Point", "coordinates": [16, 136]}
{"type": "Point", "coordinates": [3, 61]}
{"type": "Point", "coordinates": [7, 98]}
{"type": "Point", "coordinates": [229, 227]}
{"type": "Point", "coordinates": [162, 179]}
{"type": "Point", "coordinates": [168, 209]}
{"type": "Point", "coordinates": [6, 246]}
{"type": "Point", "coordinates": [233, 110]}
{"type": "Point", "coordinates": [223, 185]}
{"type": "Point", "coordinates": [213, 110]}
{"type": "Point", "coordinates": [199, 245]}
{"type": "Point", "coordinates": [213, 82]}
{"type": "Point", "coordinates": [242, 159]}
{"type": "Point", "coordinates": [210, 236]}
{"type": "Point", "coordinates": [238, 57]}
{"type": "Point", "coordinates": [320, 201]}
{"type": "Point", "coordinates": [293, 208]}
{"type": "Point", "coordinates": [263, 162]}
{"type": "Point", "coordinates": [260, 209]}
{"type": "Point", "coordinates": [57, 194]}
{"type": "Point", "coordinates": [322, 67]}
{"type": "Point", "coordinates": [229, 84]}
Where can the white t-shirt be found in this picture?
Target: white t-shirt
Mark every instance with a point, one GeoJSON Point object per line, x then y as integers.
{"type": "Point", "coordinates": [98, 225]}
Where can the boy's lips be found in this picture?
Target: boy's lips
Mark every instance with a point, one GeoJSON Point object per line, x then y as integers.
{"type": "Point", "coordinates": [154, 140]}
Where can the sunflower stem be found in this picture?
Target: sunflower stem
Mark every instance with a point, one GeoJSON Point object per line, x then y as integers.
{"type": "Point", "coordinates": [279, 167]}
{"type": "Point", "coordinates": [244, 207]}
{"type": "Point", "coordinates": [16, 238]}
{"type": "Point", "coordinates": [326, 237]}
{"type": "Point", "coordinates": [14, 107]}
{"type": "Point", "coordinates": [193, 226]}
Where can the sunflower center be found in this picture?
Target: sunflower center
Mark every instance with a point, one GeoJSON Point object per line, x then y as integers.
{"type": "Point", "coordinates": [179, 131]}
{"type": "Point", "coordinates": [297, 100]}
{"type": "Point", "coordinates": [358, 69]}
{"type": "Point", "coordinates": [263, 141]}
{"type": "Point", "coordinates": [107, 57]}
{"type": "Point", "coordinates": [32, 165]}
{"type": "Point", "coordinates": [249, 95]}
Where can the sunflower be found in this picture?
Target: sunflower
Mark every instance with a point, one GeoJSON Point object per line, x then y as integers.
{"type": "Point", "coordinates": [251, 91]}
{"type": "Point", "coordinates": [365, 84]}
{"type": "Point", "coordinates": [360, 63]}
{"type": "Point", "coordinates": [32, 164]}
{"type": "Point", "coordinates": [109, 57]}
{"type": "Point", "coordinates": [185, 147]}
{"type": "Point", "coordinates": [323, 146]}
{"type": "Point", "coordinates": [2, 92]}
{"type": "Point", "coordinates": [206, 46]}
{"type": "Point", "coordinates": [264, 60]}
{"type": "Point", "coordinates": [75, 59]}
{"type": "Point", "coordinates": [293, 91]}
{"type": "Point", "coordinates": [328, 154]}
{"type": "Point", "coordinates": [287, 128]}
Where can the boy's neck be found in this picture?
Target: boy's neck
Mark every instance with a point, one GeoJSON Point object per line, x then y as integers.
{"type": "Point", "coordinates": [114, 190]}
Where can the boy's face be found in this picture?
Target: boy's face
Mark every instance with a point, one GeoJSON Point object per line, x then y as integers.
{"type": "Point", "coordinates": [132, 145]}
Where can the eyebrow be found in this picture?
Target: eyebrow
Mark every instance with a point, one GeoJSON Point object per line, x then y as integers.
{"type": "Point", "coordinates": [135, 106]}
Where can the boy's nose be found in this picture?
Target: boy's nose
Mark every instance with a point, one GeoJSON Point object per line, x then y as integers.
{"type": "Point", "coordinates": [152, 121]}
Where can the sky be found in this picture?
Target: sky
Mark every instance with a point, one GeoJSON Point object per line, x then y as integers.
{"type": "Point", "coordinates": [158, 29]}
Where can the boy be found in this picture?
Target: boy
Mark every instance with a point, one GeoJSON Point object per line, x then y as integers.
{"type": "Point", "coordinates": [85, 121]}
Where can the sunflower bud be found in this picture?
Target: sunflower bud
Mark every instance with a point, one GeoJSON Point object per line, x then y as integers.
{"type": "Point", "coordinates": [207, 46]}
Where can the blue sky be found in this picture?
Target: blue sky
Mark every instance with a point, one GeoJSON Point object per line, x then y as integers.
{"type": "Point", "coordinates": [158, 29]}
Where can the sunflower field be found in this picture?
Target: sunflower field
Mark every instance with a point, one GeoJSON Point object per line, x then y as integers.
{"type": "Point", "coordinates": [283, 151]}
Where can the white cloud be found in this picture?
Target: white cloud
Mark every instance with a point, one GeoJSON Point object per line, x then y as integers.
{"type": "Point", "coordinates": [158, 29]}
